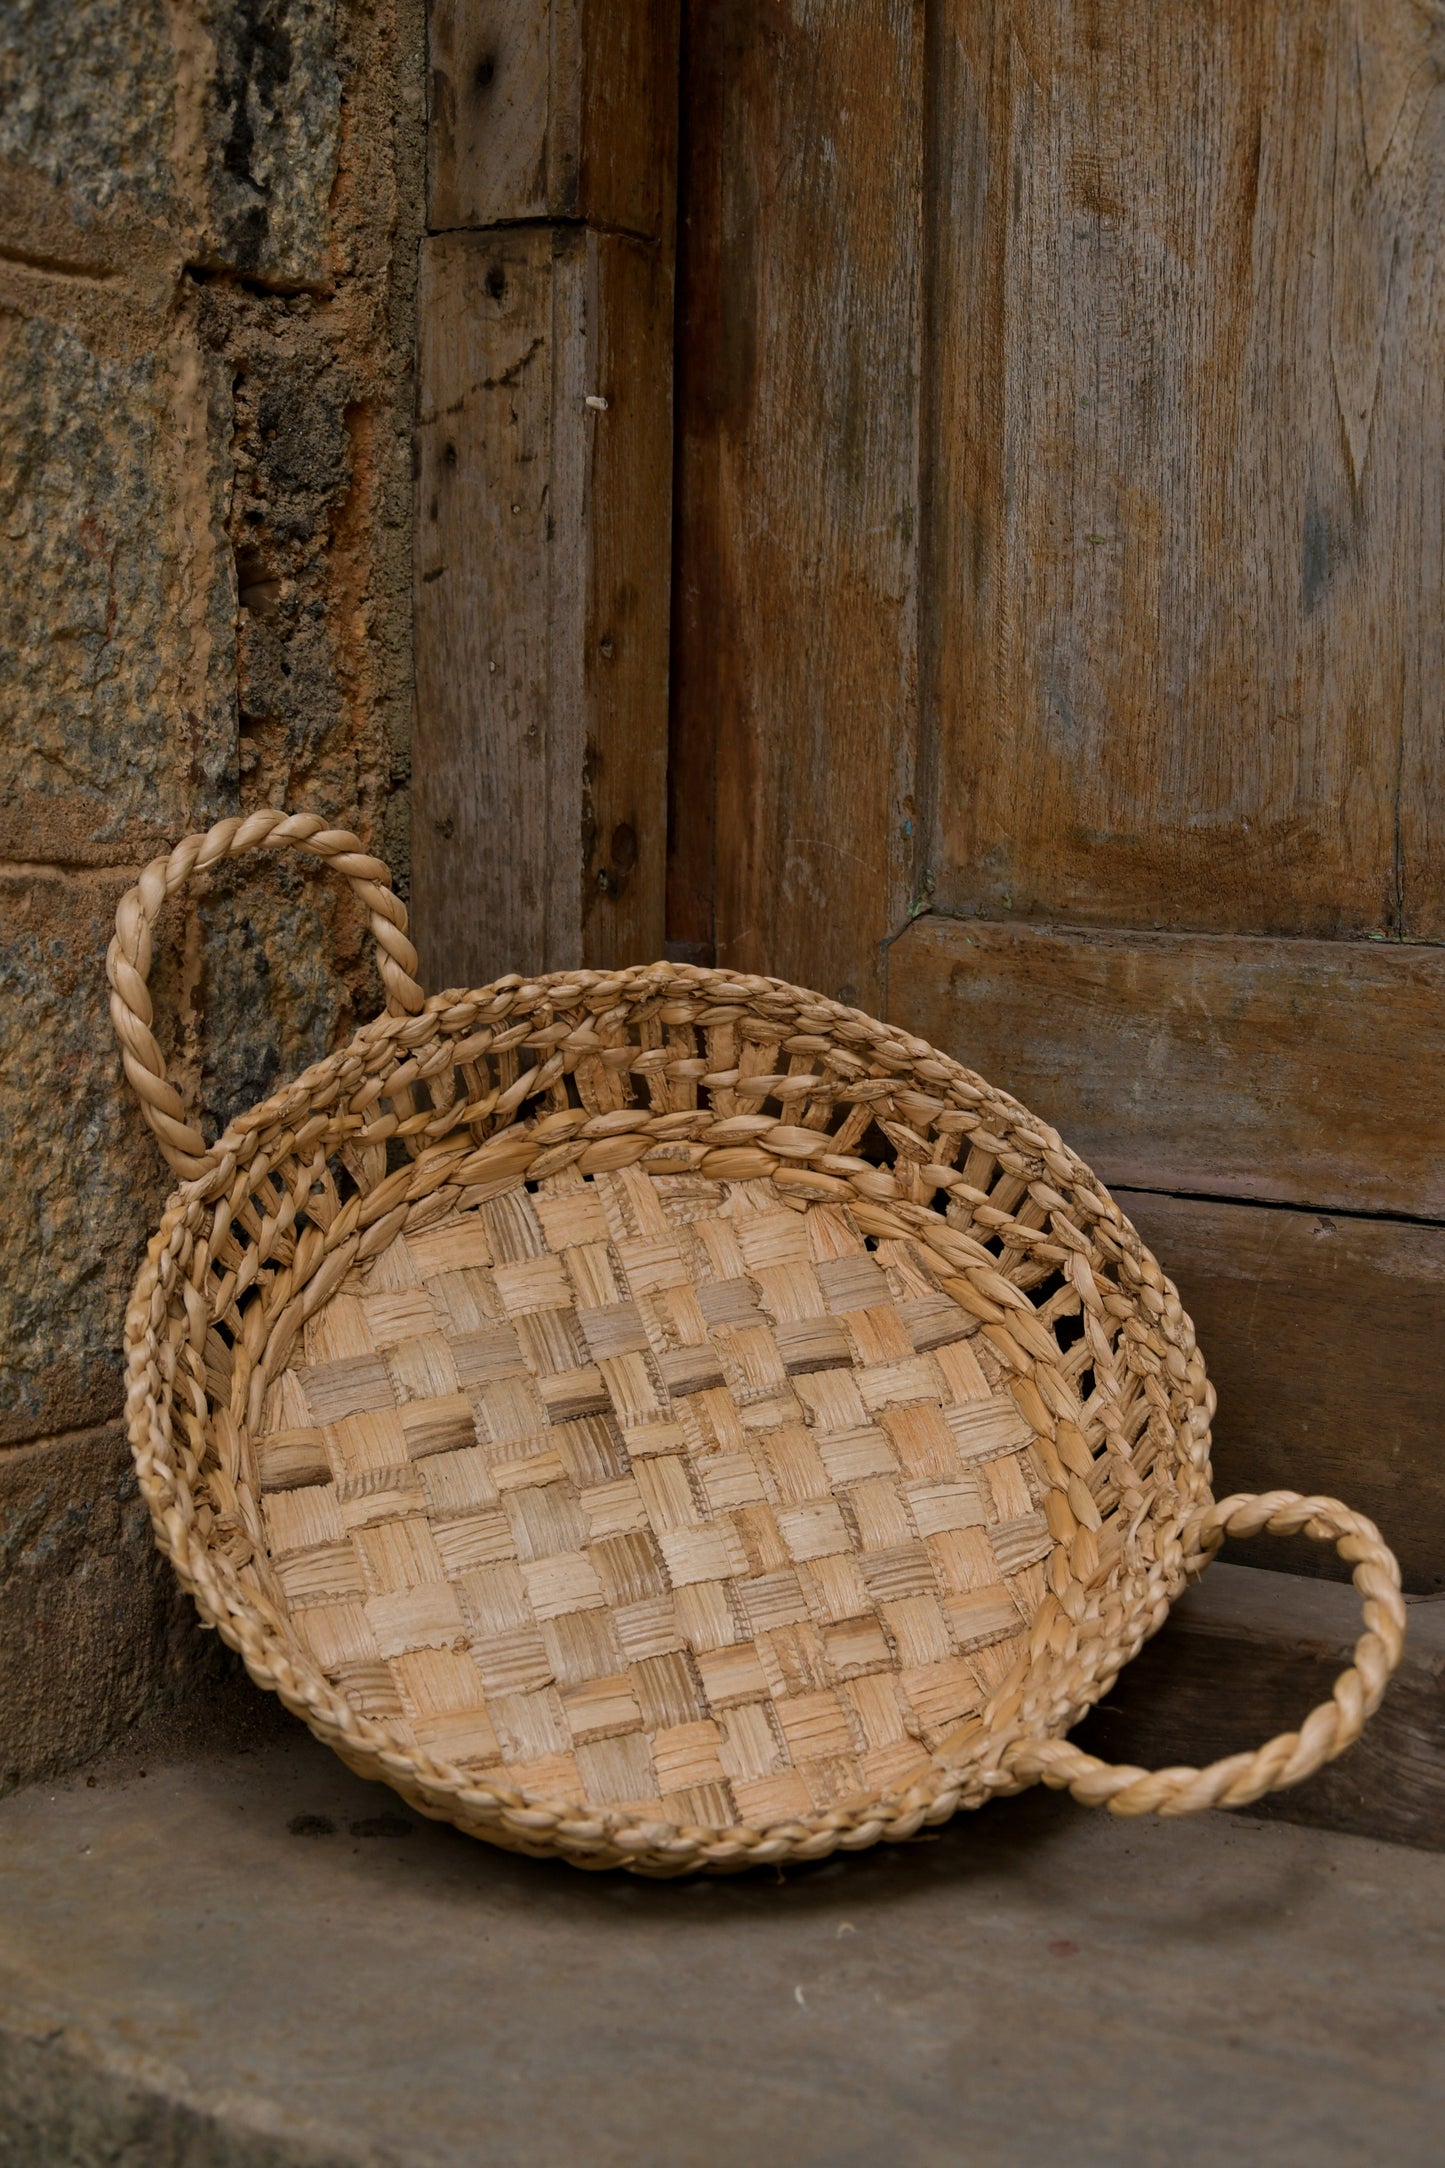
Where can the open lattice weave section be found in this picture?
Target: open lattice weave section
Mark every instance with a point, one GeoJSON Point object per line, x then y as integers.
{"type": "Point", "coordinates": [657, 1492]}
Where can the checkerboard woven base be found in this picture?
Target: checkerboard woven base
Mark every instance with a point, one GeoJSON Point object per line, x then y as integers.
{"type": "Point", "coordinates": [656, 1493]}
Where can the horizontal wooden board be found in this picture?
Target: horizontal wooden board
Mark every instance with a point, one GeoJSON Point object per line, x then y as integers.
{"type": "Point", "coordinates": [1245, 1656]}
{"type": "Point", "coordinates": [795, 651]}
{"type": "Point", "coordinates": [542, 569]}
{"type": "Point", "coordinates": [1187, 457]}
{"type": "Point", "coordinates": [553, 109]}
{"type": "Point", "coordinates": [1324, 1338]}
{"type": "Point", "coordinates": [1308, 1071]}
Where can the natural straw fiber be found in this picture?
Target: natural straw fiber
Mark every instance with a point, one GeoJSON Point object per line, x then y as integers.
{"type": "Point", "coordinates": [671, 1420]}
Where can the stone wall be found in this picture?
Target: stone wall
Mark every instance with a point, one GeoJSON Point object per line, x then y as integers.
{"type": "Point", "coordinates": [209, 218]}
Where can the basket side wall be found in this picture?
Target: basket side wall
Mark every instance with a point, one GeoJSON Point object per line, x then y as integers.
{"type": "Point", "coordinates": [209, 213]}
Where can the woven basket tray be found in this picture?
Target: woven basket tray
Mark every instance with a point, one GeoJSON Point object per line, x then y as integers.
{"type": "Point", "coordinates": [672, 1420]}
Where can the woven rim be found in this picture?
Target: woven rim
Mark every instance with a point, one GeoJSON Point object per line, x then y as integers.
{"type": "Point", "coordinates": [479, 1088]}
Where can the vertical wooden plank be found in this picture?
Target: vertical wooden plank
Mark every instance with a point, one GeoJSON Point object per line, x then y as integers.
{"type": "Point", "coordinates": [544, 452]}
{"type": "Point", "coordinates": [622, 670]}
{"type": "Point", "coordinates": [795, 649]}
{"type": "Point", "coordinates": [489, 111]}
{"type": "Point", "coordinates": [553, 109]}
{"type": "Point", "coordinates": [541, 602]}
{"type": "Point", "coordinates": [628, 116]}
{"type": "Point", "coordinates": [1398, 180]}
{"type": "Point", "coordinates": [1189, 455]}
{"type": "Point", "coordinates": [480, 815]}
{"type": "Point", "coordinates": [702, 619]}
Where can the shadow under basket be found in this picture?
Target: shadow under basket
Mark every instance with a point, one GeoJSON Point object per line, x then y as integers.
{"type": "Point", "coordinates": [670, 1420]}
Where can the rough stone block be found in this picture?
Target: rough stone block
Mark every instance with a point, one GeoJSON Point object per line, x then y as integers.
{"type": "Point", "coordinates": [92, 97]}
{"type": "Point", "coordinates": [276, 975]}
{"type": "Point", "coordinates": [80, 1177]}
{"type": "Point", "coordinates": [95, 1631]}
{"type": "Point", "coordinates": [273, 127]}
{"type": "Point", "coordinates": [86, 96]}
{"type": "Point", "coordinates": [108, 723]}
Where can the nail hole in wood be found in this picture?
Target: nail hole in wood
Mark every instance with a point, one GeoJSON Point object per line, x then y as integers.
{"type": "Point", "coordinates": [624, 847]}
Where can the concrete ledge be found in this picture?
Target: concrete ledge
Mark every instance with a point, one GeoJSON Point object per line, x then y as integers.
{"type": "Point", "coordinates": [69, 2099]}
{"type": "Point", "coordinates": [250, 1958]}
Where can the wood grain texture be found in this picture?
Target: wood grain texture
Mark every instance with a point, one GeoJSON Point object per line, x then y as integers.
{"type": "Point", "coordinates": [1323, 1337]}
{"type": "Point", "coordinates": [1244, 1655]}
{"type": "Point", "coordinates": [542, 567]}
{"type": "Point", "coordinates": [795, 647]}
{"type": "Point", "coordinates": [1188, 449]}
{"type": "Point", "coordinates": [1304, 1071]}
{"type": "Point", "coordinates": [553, 109]}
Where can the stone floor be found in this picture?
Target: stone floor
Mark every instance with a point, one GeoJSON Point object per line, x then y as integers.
{"type": "Point", "coordinates": [250, 1958]}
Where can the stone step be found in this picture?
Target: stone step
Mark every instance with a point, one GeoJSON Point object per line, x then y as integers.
{"type": "Point", "coordinates": [240, 1956]}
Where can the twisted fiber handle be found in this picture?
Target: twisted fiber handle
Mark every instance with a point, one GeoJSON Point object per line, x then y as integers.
{"type": "Point", "coordinates": [1294, 1755]}
{"type": "Point", "coordinates": [128, 961]}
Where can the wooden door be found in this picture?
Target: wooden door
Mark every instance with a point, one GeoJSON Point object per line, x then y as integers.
{"type": "Point", "coordinates": [1005, 593]}
{"type": "Point", "coordinates": [1058, 640]}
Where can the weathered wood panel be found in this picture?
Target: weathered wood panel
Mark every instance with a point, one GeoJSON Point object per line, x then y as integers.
{"type": "Point", "coordinates": [1245, 1655]}
{"type": "Point", "coordinates": [553, 109]}
{"type": "Point", "coordinates": [795, 646]}
{"type": "Point", "coordinates": [1307, 1071]}
{"type": "Point", "coordinates": [626, 615]}
{"type": "Point", "coordinates": [1188, 457]}
{"type": "Point", "coordinates": [542, 569]}
{"type": "Point", "coordinates": [1324, 1337]}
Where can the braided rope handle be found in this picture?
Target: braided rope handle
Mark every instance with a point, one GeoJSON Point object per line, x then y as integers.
{"type": "Point", "coordinates": [128, 960]}
{"type": "Point", "coordinates": [1294, 1755]}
